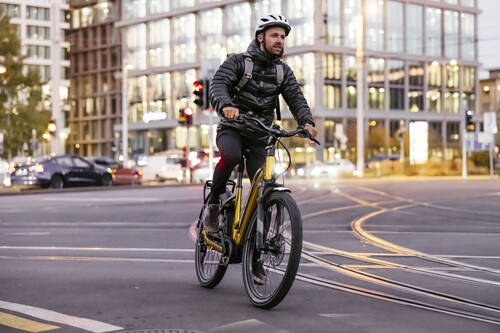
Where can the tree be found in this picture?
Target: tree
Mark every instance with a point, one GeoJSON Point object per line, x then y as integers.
{"type": "Point", "coordinates": [21, 97]}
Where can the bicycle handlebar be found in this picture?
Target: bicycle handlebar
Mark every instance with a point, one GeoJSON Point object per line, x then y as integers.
{"type": "Point", "coordinates": [248, 119]}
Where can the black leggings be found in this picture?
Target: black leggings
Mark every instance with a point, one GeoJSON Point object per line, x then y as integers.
{"type": "Point", "coordinates": [231, 143]}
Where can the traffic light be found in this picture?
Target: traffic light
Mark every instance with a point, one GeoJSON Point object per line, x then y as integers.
{"type": "Point", "coordinates": [469, 124]}
{"type": "Point", "coordinates": [201, 93]}
{"type": "Point", "coordinates": [188, 115]}
{"type": "Point", "coordinates": [181, 118]}
{"type": "Point", "coordinates": [51, 127]}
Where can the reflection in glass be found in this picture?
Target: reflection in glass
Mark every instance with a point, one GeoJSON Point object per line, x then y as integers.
{"type": "Point", "coordinates": [333, 28]}
{"type": "Point", "coordinates": [396, 78]}
{"type": "Point", "coordinates": [451, 33]}
{"type": "Point", "coordinates": [374, 25]}
{"type": "Point", "coordinates": [395, 27]}
{"type": "Point", "coordinates": [468, 40]}
{"type": "Point", "coordinates": [433, 31]}
{"type": "Point", "coordinates": [332, 74]}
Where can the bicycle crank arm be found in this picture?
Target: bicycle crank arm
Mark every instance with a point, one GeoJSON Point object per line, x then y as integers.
{"type": "Point", "coordinates": [217, 247]}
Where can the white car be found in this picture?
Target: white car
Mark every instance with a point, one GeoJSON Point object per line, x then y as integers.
{"type": "Point", "coordinates": [162, 167]}
{"type": "Point", "coordinates": [334, 169]}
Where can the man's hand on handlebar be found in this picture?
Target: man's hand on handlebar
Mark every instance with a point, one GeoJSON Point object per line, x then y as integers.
{"type": "Point", "coordinates": [312, 131]}
{"type": "Point", "coordinates": [231, 112]}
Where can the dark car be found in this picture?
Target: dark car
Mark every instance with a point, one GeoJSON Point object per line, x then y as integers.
{"type": "Point", "coordinates": [58, 172]}
{"type": "Point", "coordinates": [121, 175]}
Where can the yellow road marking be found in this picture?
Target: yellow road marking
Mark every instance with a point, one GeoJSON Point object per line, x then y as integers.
{"type": "Point", "coordinates": [24, 324]}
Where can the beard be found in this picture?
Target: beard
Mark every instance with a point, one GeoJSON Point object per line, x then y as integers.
{"type": "Point", "coordinates": [273, 49]}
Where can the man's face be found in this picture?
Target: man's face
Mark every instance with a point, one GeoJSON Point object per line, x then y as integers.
{"type": "Point", "coordinates": [273, 40]}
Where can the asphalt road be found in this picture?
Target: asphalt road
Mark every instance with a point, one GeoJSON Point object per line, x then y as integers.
{"type": "Point", "coordinates": [398, 255]}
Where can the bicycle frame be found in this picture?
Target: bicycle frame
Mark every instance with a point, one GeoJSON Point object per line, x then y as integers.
{"type": "Point", "coordinates": [263, 183]}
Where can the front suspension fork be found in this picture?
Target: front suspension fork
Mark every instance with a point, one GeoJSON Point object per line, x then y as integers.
{"type": "Point", "coordinates": [259, 241]}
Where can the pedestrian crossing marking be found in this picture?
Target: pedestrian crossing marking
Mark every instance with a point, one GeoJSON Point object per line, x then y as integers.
{"type": "Point", "coordinates": [24, 324]}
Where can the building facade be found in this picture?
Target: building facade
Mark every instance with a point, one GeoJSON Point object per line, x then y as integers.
{"type": "Point", "coordinates": [96, 62]}
{"type": "Point", "coordinates": [419, 63]}
{"type": "Point", "coordinates": [41, 26]}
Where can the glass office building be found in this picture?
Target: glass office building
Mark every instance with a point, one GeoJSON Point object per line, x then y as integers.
{"type": "Point", "coordinates": [419, 57]}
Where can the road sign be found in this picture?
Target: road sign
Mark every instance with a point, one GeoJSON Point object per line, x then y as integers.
{"type": "Point", "coordinates": [479, 141]}
{"type": "Point", "coordinates": [490, 122]}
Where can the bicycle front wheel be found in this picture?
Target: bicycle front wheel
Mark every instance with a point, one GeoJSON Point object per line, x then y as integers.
{"type": "Point", "coordinates": [280, 257]}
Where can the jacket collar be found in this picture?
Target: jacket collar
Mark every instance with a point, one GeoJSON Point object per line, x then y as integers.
{"type": "Point", "coordinates": [259, 55]}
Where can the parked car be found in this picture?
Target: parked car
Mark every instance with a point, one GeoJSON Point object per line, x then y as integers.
{"type": "Point", "coordinates": [202, 172]}
{"type": "Point", "coordinates": [164, 166]}
{"type": "Point", "coordinates": [58, 172]}
{"type": "Point", "coordinates": [335, 168]}
{"type": "Point", "coordinates": [121, 174]}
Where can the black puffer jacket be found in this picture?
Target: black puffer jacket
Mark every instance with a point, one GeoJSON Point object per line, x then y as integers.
{"type": "Point", "coordinates": [259, 93]}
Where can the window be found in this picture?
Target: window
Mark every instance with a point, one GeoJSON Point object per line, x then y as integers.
{"type": "Point", "coordinates": [264, 7]}
{"type": "Point", "coordinates": [239, 27]}
{"type": "Point", "coordinates": [300, 14]}
{"type": "Point", "coordinates": [333, 28]}
{"type": "Point", "coordinates": [211, 34]}
{"type": "Point", "coordinates": [136, 43]}
{"type": "Point", "coordinates": [303, 67]}
{"type": "Point", "coordinates": [351, 10]}
{"type": "Point", "coordinates": [434, 81]}
{"type": "Point", "coordinates": [434, 33]}
{"type": "Point", "coordinates": [414, 28]}
{"type": "Point", "coordinates": [36, 32]}
{"type": "Point", "coordinates": [351, 75]}
{"type": "Point", "coordinates": [451, 32]}
{"type": "Point", "coordinates": [396, 77]}
{"type": "Point", "coordinates": [468, 46]}
{"type": "Point", "coordinates": [395, 27]}
{"type": "Point", "coordinates": [376, 79]}
{"type": "Point", "coordinates": [38, 13]}
{"type": "Point", "coordinates": [38, 52]}
{"type": "Point", "coordinates": [416, 81]}
{"type": "Point", "coordinates": [159, 43]}
{"type": "Point", "coordinates": [183, 38]}
{"type": "Point", "coordinates": [374, 25]}
{"type": "Point", "coordinates": [332, 74]}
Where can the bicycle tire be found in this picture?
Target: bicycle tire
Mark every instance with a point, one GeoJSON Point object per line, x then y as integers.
{"type": "Point", "coordinates": [208, 262]}
{"type": "Point", "coordinates": [283, 237]}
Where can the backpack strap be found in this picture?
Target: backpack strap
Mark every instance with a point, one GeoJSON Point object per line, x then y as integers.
{"type": "Point", "coordinates": [279, 77]}
{"type": "Point", "coordinates": [248, 72]}
{"type": "Point", "coordinates": [279, 74]}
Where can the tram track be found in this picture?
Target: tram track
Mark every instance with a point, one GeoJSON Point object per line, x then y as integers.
{"type": "Point", "coordinates": [469, 308]}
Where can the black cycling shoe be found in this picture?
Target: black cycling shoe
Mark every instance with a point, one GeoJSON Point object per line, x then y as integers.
{"type": "Point", "coordinates": [211, 218]}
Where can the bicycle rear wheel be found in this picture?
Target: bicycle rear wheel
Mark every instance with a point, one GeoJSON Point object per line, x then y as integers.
{"type": "Point", "coordinates": [209, 267]}
{"type": "Point", "coordinates": [281, 256]}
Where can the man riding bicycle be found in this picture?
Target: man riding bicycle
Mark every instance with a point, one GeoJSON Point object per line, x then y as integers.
{"type": "Point", "coordinates": [259, 96]}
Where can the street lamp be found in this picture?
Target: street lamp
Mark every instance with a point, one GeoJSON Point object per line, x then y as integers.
{"type": "Point", "coordinates": [360, 98]}
{"type": "Point", "coordinates": [125, 67]}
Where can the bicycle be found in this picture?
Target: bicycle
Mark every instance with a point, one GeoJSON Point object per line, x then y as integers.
{"type": "Point", "coordinates": [267, 229]}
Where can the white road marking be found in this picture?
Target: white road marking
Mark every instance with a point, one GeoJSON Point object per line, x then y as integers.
{"type": "Point", "coordinates": [66, 248]}
{"type": "Point", "coordinates": [56, 317]}
{"type": "Point", "coordinates": [70, 199]}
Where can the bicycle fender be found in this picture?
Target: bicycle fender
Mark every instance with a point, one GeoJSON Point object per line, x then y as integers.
{"type": "Point", "coordinates": [270, 189]}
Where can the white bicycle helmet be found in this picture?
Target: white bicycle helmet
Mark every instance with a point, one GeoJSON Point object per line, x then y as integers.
{"type": "Point", "coordinates": [272, 20]}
